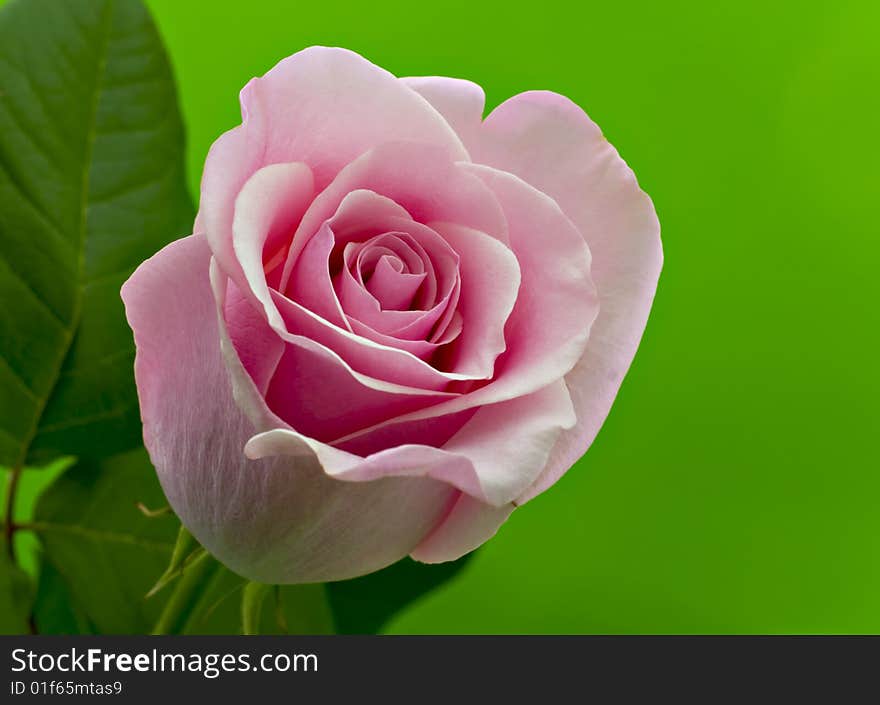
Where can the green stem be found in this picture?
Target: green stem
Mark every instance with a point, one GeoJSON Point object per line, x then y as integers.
{"type": "Point", "coordinates": [298, 609]}
{"type": "Point", "coordinates": [252, 607]}
{"type": "Point", "coordinates": [186, 592]}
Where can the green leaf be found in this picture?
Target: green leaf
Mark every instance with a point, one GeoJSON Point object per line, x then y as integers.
{"type": "Point", "coordinates": [298, 609]}
{"type": "Point", "coordinates": [223, 598]}
{"type": "Point", "coordinates": [363, 605]}
{"type": "Point", "coordinates": [295, 609]}
{"type": "Point", "coordinates": [55, 611]}
{"type": "Point", "coordinates": [16, 595]}
{"type": "Point", "coordinates": [91, 184]}
{"type": "Point", "coordinates": [105, 550]}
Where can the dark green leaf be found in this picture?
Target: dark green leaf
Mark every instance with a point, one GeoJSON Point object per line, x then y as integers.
{"type": "Point", "coordinates": [285, 609]}
{"type": "Point", "coordinates": [364, 605]}
{"type": "Point", "coordinates": [55, 612]}
{"type": "Point", "coordinates": [106, 551]}
{"type": "Point", "coordinates": [297, 609]}
{"type": "Point", "coordinates": [16, 595]}
{"type": "Point", "coordinates": [91, 183]}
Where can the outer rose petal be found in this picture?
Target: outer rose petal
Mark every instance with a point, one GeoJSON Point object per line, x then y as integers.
{"type": "Point", "coordinates": [469, 524]}
{"type": "Point", "coordinates": [460, 101]}
{"type": "Point", "coordinates": [322, 106]}
{"type": "Point", "coordinates": [548, 141]}
{"type": "Point", "coordinates": [479, 459]}
{"type": "Point", "coordinates": [275, 520]}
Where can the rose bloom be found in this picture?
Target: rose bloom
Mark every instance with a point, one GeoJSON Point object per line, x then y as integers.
{"type": "Point", "coordinates": [396, 321]}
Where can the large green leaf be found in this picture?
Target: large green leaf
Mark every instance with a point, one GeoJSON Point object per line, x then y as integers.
{"type": "Point", "coordinates": [91, 184]}
{"type": "Point", "coordinates": [55, 611]}
{"type": "Point", "coordinates": [363, 605]}
{"type": "Point", "coordinates": [15, 595]}
{"type": "Point", "coordinates": [105, 551]}
{"type": "Point", "coordinates": [217, 601]}
{"type": "Point", "coordinates": [208, 598]}
{"type": "Point", "coordinates": [360, 606]}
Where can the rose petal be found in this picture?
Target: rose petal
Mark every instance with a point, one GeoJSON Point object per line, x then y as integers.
{"type": "Point", "coordinates": [362, 209]}
{"type": "Point", "coordinates": [421, 178]}
{"type": "Point", "coordinates": [267, 211]}
{"type": "Point", "coordinates": [278, 520]}
{"type": "Point", "coordinates": [437, 298]}
{"type": "Point", "coordinates": [307, 102]}
{"type": "Point", "coordinates": [490, 280]}
{"type": "Point", "coordinates": [408, 460]}
{"type": "Point", "coordinates": [469, 524]}
{"type": "Point", "coordinates": [460, 101]}
{"type": "Point", "coordinates": [312, 285]}
{"type": "Point", "coordinates": [550, 142]}
{"type": "Point", "coordinates": [317, 396]}
{"type": "Point", "coordinates": [422, 349]}
{"type": "Point", "coordinates": [393, 365]}
{"type": "Point", "coordinates": [358, 302]}
{"type": "Point", "coordinates": [548, 329]}
{"type": "Point", "coordinates": [430, 432]}
{"type": "Point", "coordinates": [479, 459]}
{"type": "Point", "coordinates": [509, 443]}
{"type": "Point", "coordinates": [259, 348]}
{"type": "Point", "coordinates": [301, 111]}
{"type": "Point", "coordinates": [393, 288]}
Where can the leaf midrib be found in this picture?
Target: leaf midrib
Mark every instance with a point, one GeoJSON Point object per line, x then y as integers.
{"type": "Point", "coordinates": [91, 135]}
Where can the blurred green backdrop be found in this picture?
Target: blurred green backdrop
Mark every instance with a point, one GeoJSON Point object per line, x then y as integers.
{"type": "Point", "coordinates": [735, 486]}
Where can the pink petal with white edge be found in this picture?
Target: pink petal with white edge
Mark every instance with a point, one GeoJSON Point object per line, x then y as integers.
{"type": "Point", "coordinates": [490, 281]}
{"type": "Point", "coordinates": [550, 142]}
{"type": "Point", "coordinates": [276, 520]}
{"type": "Point", "coordinates": [460, 101]}
{"type": "Point", "coordinates": [409, 460]}
{"type": "Point", "coordinates": [311, 286]}
{"type": "Point", "coordinates": [301, 111]}
{"type": "Point", "coordinates": [267, 212]}
{"type": "Point", "coordinates": [480, 459]}
{"type": "Point", "coordinates": [469, 524]}
{"type": "Point", "coordinates": [547, 140]}
{"type": "Point", "coordinates": [318, 397]}
{"type": "Point", "coordinates": [392, 365]}
{"type": "Point", "coordinates": [548, 328]}
{"type": "Point", "coordinates": [509, 443]}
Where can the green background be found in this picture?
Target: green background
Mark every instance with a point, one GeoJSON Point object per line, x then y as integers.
{"type": "Point", "coordinates": [735, 485]}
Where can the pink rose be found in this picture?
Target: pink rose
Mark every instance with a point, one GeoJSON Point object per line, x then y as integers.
{"type": "Point", "coordinates": [395, 322]}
